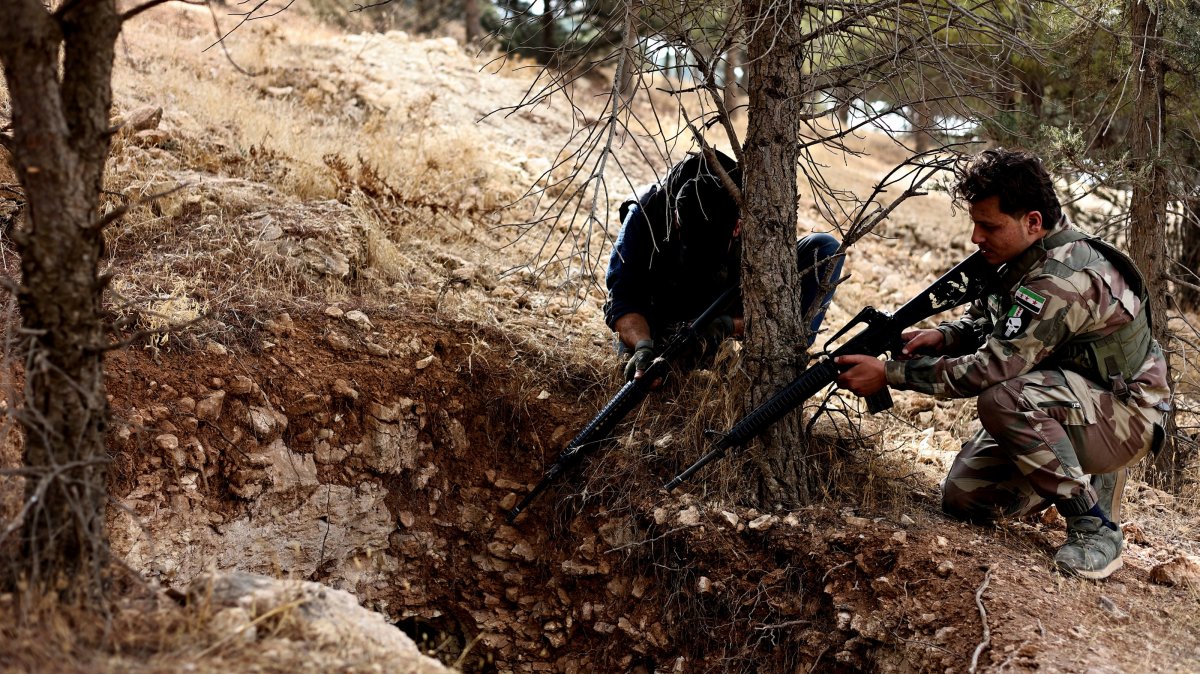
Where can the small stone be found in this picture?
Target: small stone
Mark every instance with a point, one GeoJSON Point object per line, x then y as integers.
{"type": "Point", "coordinates": [945, 568]}
{"type": "Point", "coordinates": [209, 408]}
{"type": "Point", "coordinates": [661, 515]}
{"type": "Point", "coordinates": [942, 542]}
{"type": "Point", "coordinates": [185, 405]}
{"type": "Point", "coordinates": [704, 585]}
{"type": "Point", "coordinates": [1050, 517]}
{"type": "Point", "coordinates": [860, 522]}
{"type": "Point", "coordinates": [426, 361]}
{"type": "Point", "coordinates": [761, 523]}
{"type": "Point", "coordinates": [342, 389]}
{"type": "Point", "coordinates": [262, 422]}
{"type": "Point", "coordinates": [280, 92]}
{"type": "Point", "coordinates": [167, 442]}
{"type": "Point", "coordinates": [334, 312]}
{"type": "Point", "coordinates": [215, 348]}
{"type": "Point", "coordinates": [282, 325]}
{"type": "Point", "coordinates": [376, 350]}
{"type": "Point", "coordinates": [1183, 570]}
{"type": "Point", "coordinates": [338, 341]}
{"type": "Point", "coordinates": [140, 119]}
{"type": "Point", "coordinates": [544, 395]}
{"type": "Point", "coordinates": [271, 231]}
{"type": "Point", "coordinates": [1134, 533]}
{"type": "Point", "coordinates": [1113, 610]}
{"type": "Point", "coordinates": [906, 521]}
{"type": "Point", "coordinates": [573, 568]}
{"type": "Point", "coordinates": [729, 517]}
{"type": "Point", "coordinates": [358, 319]}
{"type": "Point", "coordinates": [308, 403]}
{"type": "Point", "coordinates": [524, 551]}
{"type": "Point", "coordinates": [241, 385]}
{"type": "Point", "coordinates": [688, 517]}
{"type": "Point", "coordinates": [900, 537]}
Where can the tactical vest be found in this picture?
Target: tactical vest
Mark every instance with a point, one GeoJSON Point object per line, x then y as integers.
{"type": "Point", "coordinates": [1106, 359]}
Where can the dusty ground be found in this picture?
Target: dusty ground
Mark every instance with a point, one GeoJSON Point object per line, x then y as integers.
{"type": "Point", "coordinates": [280, 433]}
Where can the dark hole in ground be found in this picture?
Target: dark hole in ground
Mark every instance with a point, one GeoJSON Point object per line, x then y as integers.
{"type": "Point", "coordinates": [447, 640]}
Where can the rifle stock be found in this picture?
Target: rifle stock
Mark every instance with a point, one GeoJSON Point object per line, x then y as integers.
{"type": "Point", "coordinates": [625, 401]}
{"type": "Point", "coordinates": [966, 281]}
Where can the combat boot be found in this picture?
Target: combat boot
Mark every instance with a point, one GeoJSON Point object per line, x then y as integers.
{"type": "Point", "coordinates": [1092, 550]}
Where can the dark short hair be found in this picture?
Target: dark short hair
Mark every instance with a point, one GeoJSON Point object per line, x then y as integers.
{"type": "Point", "coordinates": [1018, 178]}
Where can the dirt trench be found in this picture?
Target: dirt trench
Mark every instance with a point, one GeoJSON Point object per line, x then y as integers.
{"type": "Point", "coordinates": [379, 458]}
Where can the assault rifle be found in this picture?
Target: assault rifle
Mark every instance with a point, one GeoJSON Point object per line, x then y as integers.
{"type": "Point", "coordinates": [630, 396]}
{"type": "Point", "coordinates": [967, 281]}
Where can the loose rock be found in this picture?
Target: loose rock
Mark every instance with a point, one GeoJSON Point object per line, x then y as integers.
{"type": "Point", "coordinates": [1183, 570]}
{"type": "Point", "coordinates": [209, 408]}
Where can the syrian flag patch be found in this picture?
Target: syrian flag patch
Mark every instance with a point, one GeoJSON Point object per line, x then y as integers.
{"type": "Point", "coordinates": [1030, 300]}
{"type": "Point", "coordinates": [1015, 323]}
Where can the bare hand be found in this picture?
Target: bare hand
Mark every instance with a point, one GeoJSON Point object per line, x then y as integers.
{"type": "Point", "coordinates": [921, 342]}
{"type": "Point", "coordinates": [864, 375]}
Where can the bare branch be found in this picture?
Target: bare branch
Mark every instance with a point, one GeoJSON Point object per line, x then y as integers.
{"type": "Point", "coordinates": [987, 632]}
{"type": "Point", "coordinates": [138, 9]}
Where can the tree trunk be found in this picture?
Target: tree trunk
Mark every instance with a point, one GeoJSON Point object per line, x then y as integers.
{"type": "Point", "coordinates": [61, 131]}
{"type": "Point", "coordinates": [471, 25]}
{"type": "Point", "coordinates": [922, 138]}
{"type": "Point", "coordinates": [775, 344]}
{"type": "Point", "coordinates": [546, 35]}
{"type": "Point", "coordinates": [1148, 200]}
{"type": "Point", "coordinates": [1188, 253]}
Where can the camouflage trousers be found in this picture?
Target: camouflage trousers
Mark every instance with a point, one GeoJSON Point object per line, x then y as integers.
{"type": "Point", "coordinates": [1048, 437]}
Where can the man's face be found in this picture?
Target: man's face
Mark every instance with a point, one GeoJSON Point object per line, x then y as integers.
{"type": "Point", "coordinates": [1002, 237]}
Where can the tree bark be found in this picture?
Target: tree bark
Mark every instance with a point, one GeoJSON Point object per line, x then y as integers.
{"type": "Point", "coordinates": [61, 131]}
{"type": "Point", "coordinates": [546, 35]}
{"type": "Point", "coordinates": [775, 344]}
{"type": "Point", "coordinates": [1148, 200]}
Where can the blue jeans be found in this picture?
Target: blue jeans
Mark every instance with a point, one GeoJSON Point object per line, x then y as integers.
{"type": "Point", "coordinates": [817, 249]}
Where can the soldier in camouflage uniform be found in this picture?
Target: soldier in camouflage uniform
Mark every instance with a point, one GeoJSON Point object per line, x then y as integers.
{"type": "Point", "coordinates": [1071, 386]}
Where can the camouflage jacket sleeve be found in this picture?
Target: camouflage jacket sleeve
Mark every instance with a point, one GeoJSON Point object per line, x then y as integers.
{"type": "Point", "coordinates": [1045, 311]}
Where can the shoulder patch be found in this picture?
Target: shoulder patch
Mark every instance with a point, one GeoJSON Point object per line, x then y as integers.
{"type": "Point", "coordinates": [1029, 299]}
{"type": "Point", "coordinates": [1017, 320]}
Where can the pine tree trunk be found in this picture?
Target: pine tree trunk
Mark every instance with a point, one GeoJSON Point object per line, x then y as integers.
{"type": "Point", "coordinates": [546, 35]}
{"type": "Point", "coordinates": [775, 341]}
{"type": "Point", "coordinates": [61, 132]}
{"type": "Point", "coordinates": [1148, 202]}
{"type": "Point", "coordinates": [471, 26]}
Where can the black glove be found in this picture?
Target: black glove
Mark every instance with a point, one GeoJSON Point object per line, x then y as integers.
{"type": "Point", "coordinates": [643, 354]}
{"type": "Point", "coordinates": [717, 330]}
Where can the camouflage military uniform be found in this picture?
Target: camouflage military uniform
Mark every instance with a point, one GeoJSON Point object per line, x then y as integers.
{"type": "Point", "coordinates": [1046, 427]}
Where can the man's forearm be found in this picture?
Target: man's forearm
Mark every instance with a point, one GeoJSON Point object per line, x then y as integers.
{"type": "Point", "coordinates": [632, 328]}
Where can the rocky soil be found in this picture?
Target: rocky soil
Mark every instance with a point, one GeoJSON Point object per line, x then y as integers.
{"type": "Point", "coordinates": [355, 392]}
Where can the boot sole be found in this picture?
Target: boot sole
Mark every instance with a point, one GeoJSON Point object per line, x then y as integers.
{"type": "Point", "coordinates": [1093, 574]}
